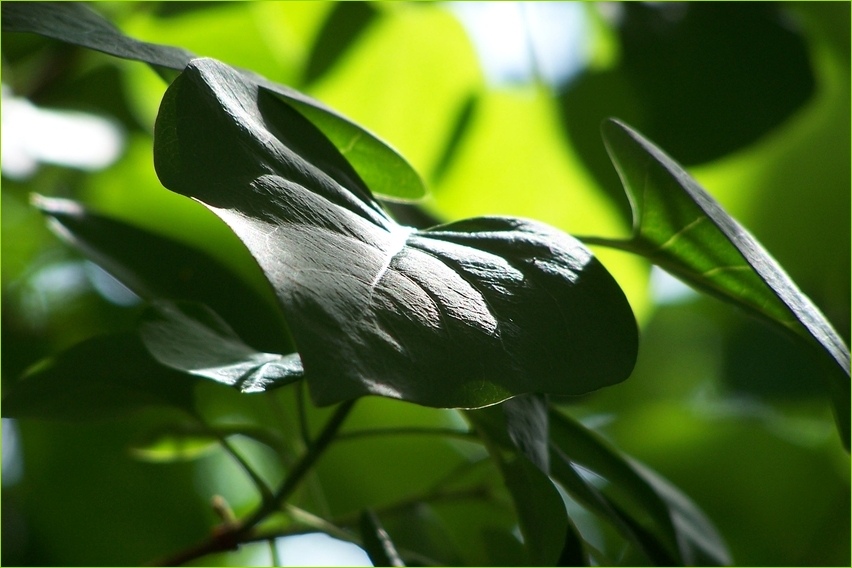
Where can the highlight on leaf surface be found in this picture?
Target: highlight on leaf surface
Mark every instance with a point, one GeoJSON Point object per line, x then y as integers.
{"type": "Point", "coordinates": [461, 315]}
{"type": "Point", "coordinates": [678, 226]}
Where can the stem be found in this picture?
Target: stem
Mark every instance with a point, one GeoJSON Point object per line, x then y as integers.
{"type": "Point", "coordinates": [412, 431]}
{"type": "Point", "coordinates": [315, 450]}
{"type": "Point", "coordinates": [273, 551]}
{"type": "Point", "coordinates": [301, 412]}
{"type": "Point", "coordinates": [229, 538]}
{"type": "Point", "coordinates": [262, 487]}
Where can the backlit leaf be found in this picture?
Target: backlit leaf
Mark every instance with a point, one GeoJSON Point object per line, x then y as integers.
{"type": "Point", "coordinates": [385, 171]}
{"type": "Point", "coordinates": [681, 228]}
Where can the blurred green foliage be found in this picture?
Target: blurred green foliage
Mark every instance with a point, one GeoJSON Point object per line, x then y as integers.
{"type": "Point", "coordinates": [754, 98]}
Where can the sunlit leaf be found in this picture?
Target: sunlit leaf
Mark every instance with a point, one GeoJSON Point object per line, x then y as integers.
{"type": "Point", "coordinates": [192, 338]}
{"type": "Point", "coordinates": [385, 171]}
{"type": "Point", "coordinates": [681, 228]}
{"type": "Point", "coordinates": [174, 444]}
{"type": "Point", "coordinates": [461, 315]}
{"type": "Point", "coordinates": [640, 497]}
{"type": "Point", "coordinates": [156, 267]}
{"type": "Point", "coordinates": [103, 377]}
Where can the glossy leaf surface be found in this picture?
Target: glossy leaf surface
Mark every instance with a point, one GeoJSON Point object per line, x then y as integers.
{"type": "Point", "coordinates": [461, 315]}
{"type": "Point", "coordinates": [681, 228]}
{"type": "Point", "coordinates": [386, 172]}
{"type": "Point", "coordinates": [191, 338]}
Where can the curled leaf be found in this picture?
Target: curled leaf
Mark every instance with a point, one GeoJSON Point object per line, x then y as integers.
{"type": "Point", "coordinates": [461, 315]}
{"type": "Point", "coordinates": [191, 338]}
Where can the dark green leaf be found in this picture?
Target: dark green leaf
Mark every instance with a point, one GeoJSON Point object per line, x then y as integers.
{"type": "Point", "coordinates": [377, 543]}
{"type": "Point", "coordinates": [568, 475]}
{"type": "Point", "coordinates": [681, 228]}
{"type": "Point", "coordinates": [640, 496]}
{"type": "Point", "coordinates": [190, 337]}
{"type": "Point", "coordinates": [157, 267]}
{"type": "Point", "coordinates": [463, 315]}
{"type": "Point", "coordinates": [518, 424]}
{"type": "Point", "coordinates": [77, 24]}
{"type": "Point", "coordinates": [342, 27]}
{"type": "Point", "coordinates": [384, 170]}
{"type": "Point", "coordinates": [103, 377]}
{"type": "Point", "coordinates": [511, 437]}
{"type": "Point", "coordinates": [541, 512]}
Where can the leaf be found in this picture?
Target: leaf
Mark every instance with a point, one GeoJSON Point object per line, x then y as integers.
{"type": "Point", "coordinates": [461, 315]}
{"type": "Point", "coordinates": [541, 512]}
{"type": "Point", "coordinates": [102, 377]}
{"type": "Point", "coordinates": [385, 171]}
{"type": "Point", "coordinates": [681, 228]}
{"type": "Point", "coordinates": [518, 424]}
{"type": "Point", "coordinates": [77, 24]}
{"type": "Point", "coordinates": [190, 337]}
{"type": "Point", "coordinates": [157, 267]}
{"type": "Point", "coordinates": [174, 443]}
{"type": "Point", "coordinates": [639, 501]}
{"type": "Point", "coordinates": [548, 534]}
{"type": "Point", "coordinates": [377, 543]}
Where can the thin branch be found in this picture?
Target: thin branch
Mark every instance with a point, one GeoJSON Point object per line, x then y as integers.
{"type": "Point", "coordinates": [229, 538]}
{"type": "Point", "coordinates": [262, 487]}
{"type": "Point", "coordinates": [465, 435]}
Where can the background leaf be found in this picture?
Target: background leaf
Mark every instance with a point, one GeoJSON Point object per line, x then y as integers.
{"type": "Point", "coordinates": [156, 267]}
{"type": "Point", "coordinates": [681, 228]}
{"type": "Point", "coordinates": [651, 502]}
{"type": "Point", "coordinates": [461, 315]}
{"type": "Point", "coordinates": [384, 170]}
{"type": "Point", "coordinates": [103, 377]}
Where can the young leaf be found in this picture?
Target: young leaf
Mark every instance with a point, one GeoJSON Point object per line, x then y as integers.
{"type": "Point", "coordinates": [102, 377]}
{"type": "Point", "coordinates": [461, 315]}
{"type": "Point", "coordinates": [156, 267]}
{"type": "Point", "coordinates": [385, 171]}
{"type": "Point", "coordinates": [640, 497]}
{"type": "Point", "coordinates": [681, 228]}
{"type": "Point", "coordinates": [190, 337]}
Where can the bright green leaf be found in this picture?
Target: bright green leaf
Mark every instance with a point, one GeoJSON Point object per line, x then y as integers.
{"type": "Point", "coordinates": [174, 444]}
{"type": "Point", "coordinates": [460, 315]}
{"type": "Point", "coordinates": [190, 337]}
{"type": "Point", "coordinates": [380, 166]}
{"type": "Point", "coordinates": [681, 228]}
